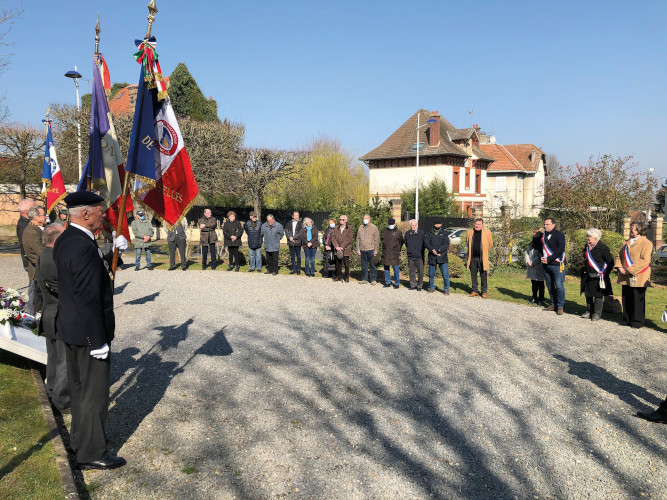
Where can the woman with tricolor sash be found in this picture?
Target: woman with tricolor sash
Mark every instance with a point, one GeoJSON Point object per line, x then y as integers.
{"type": "Point", "coordinates": [634, 273]}
{"type": "Point", "coordinates": [595, 282]}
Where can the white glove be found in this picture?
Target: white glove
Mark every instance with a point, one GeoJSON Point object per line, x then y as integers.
{"type": "Point", "coordinates": [120, 243]}
{"type": "Point", "coordinates": [100, 353]}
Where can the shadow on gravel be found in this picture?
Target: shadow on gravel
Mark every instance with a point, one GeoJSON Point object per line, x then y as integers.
{"type": "Point", "coordinates": [120, 288]}
{"type": "Point", "coordinates": [143, 300]}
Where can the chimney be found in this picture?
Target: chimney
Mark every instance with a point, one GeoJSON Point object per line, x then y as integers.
{"type": "Point", "coordinates": [434, 129]}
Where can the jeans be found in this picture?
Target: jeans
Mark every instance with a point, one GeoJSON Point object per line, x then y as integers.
{"type": "Point", "coordinates": [137, 261]}
{"type": "Point", "coordinates": [387, 275]}
{"type": "Point", "coordinates": [366, 264]}
{"type": "Point", "coordinates": [310, 260]}
{"type": "Point", "coordinates": [444, 270]}
{"type": "Point", "coordinates": [255, 256]}
{"type": "Point", "coordinates": [295, 258]}
{"type": "Point", "coordinates": [554, 279]}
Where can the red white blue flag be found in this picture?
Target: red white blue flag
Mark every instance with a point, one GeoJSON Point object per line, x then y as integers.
{"type": "Point", "coordinates": [53, 186]}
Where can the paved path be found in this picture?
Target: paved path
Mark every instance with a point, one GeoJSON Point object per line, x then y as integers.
{"type": "Point", "coordinates": [232, 385]}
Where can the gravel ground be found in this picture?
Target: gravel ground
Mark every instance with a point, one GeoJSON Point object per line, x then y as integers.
{"type": "Point", "coordinates": [231, 385]}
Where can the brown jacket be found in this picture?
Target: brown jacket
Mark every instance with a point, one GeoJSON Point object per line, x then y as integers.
{"type": "Point", "coordinates": [208, 235]}
{"type": "Point", "coordinates": [343, 239]}
{"type": "Point", "coordinates": [32, 245]}
{"type": "Point", "coordinates": [303, 237]}
{"type": "Point", "coordinates": [487, 243]}
{"type": "Point", "coordinates": [368, 238]}
{"type": "Point", "coordinates": [640, 254]}
{"type": "Point", "coordinates": [392, 241]}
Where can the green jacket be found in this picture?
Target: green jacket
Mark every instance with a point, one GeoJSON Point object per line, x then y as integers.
{"type": "Point", "coordinates": [142, 228]}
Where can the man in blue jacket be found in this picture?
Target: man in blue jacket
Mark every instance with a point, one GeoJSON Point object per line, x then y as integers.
{"type": "Point", "coordinates": [415, 240]}
{"type": "Point", "coordinates": [437, 245]}
{"type": "Point", "coordinates": [553, 250]}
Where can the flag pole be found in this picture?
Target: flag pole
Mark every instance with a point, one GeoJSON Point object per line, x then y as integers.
{"type": "Point", "coordinates": [46, 122]}
{"type": "Point", "coordinates": [152, 10]}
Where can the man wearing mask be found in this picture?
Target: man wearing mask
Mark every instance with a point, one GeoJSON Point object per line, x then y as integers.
{"type": "Point", "coordinates": [480, 242]}
{"type": "Point", "coordinates": [292, 231]}
{"type": "Point", "coordinates": [32, 246]}
{"type": "Point", "coordinates": [437, 245]}
{"type": "Point", "coordinates": [553, 260]}
{"type": "Point", "coordinates": [415, 240]}
{"type": "Point", "coordinates": [368, 244]}
{"type": "Point", "coordinates": [392, 241]}
{"type": "Point", "coordinates": [329, 257]}
{"type": "Point", "coordinates": [143, 232]}
{"type": "Point", "coordinates": [342, 243]}
{"type": "Point", "coordinates": [253, 228]}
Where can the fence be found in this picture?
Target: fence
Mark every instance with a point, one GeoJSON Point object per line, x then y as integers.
{"type": "Point", "coordinates": [242, 214]}
{"type": "Point", "coordinates": [426, 221]}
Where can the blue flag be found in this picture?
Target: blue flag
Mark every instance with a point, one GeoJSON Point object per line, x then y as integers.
{"type": "Point", "coordinates": [141, 155]}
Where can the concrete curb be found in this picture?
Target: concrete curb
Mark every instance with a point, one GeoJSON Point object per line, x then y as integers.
{"type": "Point", "coordinates": [70, 489]}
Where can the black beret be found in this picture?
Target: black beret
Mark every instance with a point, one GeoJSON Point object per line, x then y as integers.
{"type": "Point", "coordinates": [438, 220]}
{"type": "Point", "coordinates": [82, 198]}
{"type": "Point", "coordinates": [391, 221]}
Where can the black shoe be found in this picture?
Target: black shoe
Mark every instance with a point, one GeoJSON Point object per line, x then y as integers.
{"type": "Point", "coordinates": [654, 416]}
{"type": "Point", "coordinates": [292, 272]}
{"type": "Point", "coordinates": [213, 267]}
{"type": "Point", "coordinates": [532, 301]}
{"type": "Point", "coordinates": [184, 268]}
{"type": "Point", "coordinates": [624, 323]}
{"type": "Point", "coordinates": [587, 315]}
{"type": "Point", "coordinates": [386, 285]}
{"type": "Point", "coordinates": [136, 268]}
{"type": "Point", "coordinates": [104, 464]}
{"type": "Point", "coordinates": [203, 267]}
{"type": "Point", "coordinates": [229, 268]}
{"type": "Point", "coordinates": [237, 269]}
{"type": "Point", "coordinates": [595, 317]}
{"type": "Point", "coordinates": [259, 270]}
{"type": "Point", "coordinates": [171, 268]}
{"type": "Point", "coordinates": [396, 287]}
{"type": "Point", "coordinates": [150, 268]}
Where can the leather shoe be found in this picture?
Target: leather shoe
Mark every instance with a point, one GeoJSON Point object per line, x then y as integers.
{"type": "Point", "coordinates": [586, 315]}
{"type": "Point", "coordinates": [654, 416]}
{"type": "Point", "coordinates": [474, 294]}
{"type": "Point", "coordinates": [431, 290]}
{"type": "Point", "coordinates": [446, 292]}
{"type": "Point", "coordinates": [104, 464]}
{"type": "Point", "coordinates": [559, 311]}
{"type": "Point", "coordinates": [548, 308]}
{"type": "Point", "coordinates": [483, 295]}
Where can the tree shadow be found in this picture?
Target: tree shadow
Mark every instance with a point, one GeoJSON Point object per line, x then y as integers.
{"type": "Point", "coordinates": [627, 392]}
{"type": "Point", "coordinates": [514, 294]}
{"type": "Point", "coordinates": [22, 457]}
{"type": "Point", "coordinates": [120, 288]}
{"type": "Point", "coordinates": [143, 300]}
{"type": "Point", "coordinates": [464, 287]}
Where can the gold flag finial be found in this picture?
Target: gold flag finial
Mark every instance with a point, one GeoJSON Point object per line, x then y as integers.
{"type": "Point", "coordinates": [97, 35]}
{"type": "Point", "coordinates": [152, 9]}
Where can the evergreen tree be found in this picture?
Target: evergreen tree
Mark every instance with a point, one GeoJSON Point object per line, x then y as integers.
{"type": "Point", "coordinates": [188, 99]}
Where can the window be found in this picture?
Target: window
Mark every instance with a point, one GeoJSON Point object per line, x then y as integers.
{"type": "Point", "coordinates": [501, 184]}
{"type": "Point", "coordinates": [478, 182]}
{"type": "Point", "coordinates": [467, 175]}
{"type": "Point", "coordinates": [455, 180]}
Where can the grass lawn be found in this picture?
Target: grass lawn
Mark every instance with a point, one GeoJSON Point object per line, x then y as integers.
{"type": "Point", "coordinates": [27, 459]}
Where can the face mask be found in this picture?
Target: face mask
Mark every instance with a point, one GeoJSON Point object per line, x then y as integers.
{"type": "Point", "coordinates": [366, 221]}
{"type": "Point", "coordinates": [436, 228]}
{"type": "Point", "coordinates": [332, 225]}
{"type": "Point", "coordinates": [391, 226]}
{"type": "Point", "coordinates": [142, 217]}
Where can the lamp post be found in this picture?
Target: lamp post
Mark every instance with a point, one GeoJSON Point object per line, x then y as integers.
{"type": "Point", "coordinates": [419, 127]}
{"type": "Point", "coordinates": [75, 75]}
{"type": "Point", "coordinates": [648, 187]}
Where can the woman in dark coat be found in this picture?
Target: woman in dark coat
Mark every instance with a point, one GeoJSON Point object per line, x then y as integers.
{"type": "Point", "coordinates": [595, 282]}
{"type": "Point", "coordinates": [232, 230]}
{"type": "Point", "coordinates": [329, 256]}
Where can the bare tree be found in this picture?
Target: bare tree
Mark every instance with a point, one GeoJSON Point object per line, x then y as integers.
{"type": "Point", "coordinates": [20, 148]}
{"type": "Point", "coordinates": [554, 168]}
{"type": "Point", "coordinates": [261, 167]}
{"type": "Point", "coordinates": [7, 18]}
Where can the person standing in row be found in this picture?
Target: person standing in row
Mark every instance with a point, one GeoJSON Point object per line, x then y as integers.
{"type": "Point", "coordinates": [253, 228]}
{"type": "Point", "coordinates": [32, 246]}
{"type": "Point", "coordinates": [480, 242]}
{"type": "Point", "coordinates": [85, 322]}
{"type": "Point", "coordinates": [368, 245]}
{"type": "Point", "coordinates": [437, 245]}
{"type": "Point", "coordinates": [272, 233]}
{"type": "Point", "coordinates": [534, 267]}
{"type": "Point", "coordinates": [553, 260]}
{"type": "Point", "coordinates": [23, 206]}
{"type": "Point", "coordinates": [342, 243]}
{"type": "Point", "coordinates": [634, 274]}
{"type": "Point", "coordinates": [310, 242]}
{"type": "Point", "coordinates": [176, 239]}
{"type": "Point", "coordinates": [143, 233]}
{"type": "Point", "coordinates": [232, 231]}
{"type": "Point", "coordinates": [208, 238]}
{"type": "Point", "coordinates": [329, 254]}
{"type": "Point", "coordinates": [415, 242]}
{"type": "Point", "coordinates": [293, 233]}
{"type": "Point", "coordinates": [392, 241]}
{"type": "Point", "coordinates": [595, 282]}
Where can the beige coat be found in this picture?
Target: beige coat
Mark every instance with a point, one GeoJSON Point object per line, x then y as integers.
{"type": "Point", "coordinates": [368, 238]}
{"type": "Point", "coordinates": [640, 253]}
{"type": "Point", "coordinates": [487, 243]}
{"type": "Point", "coordinates": [32, 245]}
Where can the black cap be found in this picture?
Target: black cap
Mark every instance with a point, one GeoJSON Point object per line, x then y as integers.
{"type": "Point", "coordinates": [391, 221]}
{"type": "Point", "coordinates": [82, 198]}
{"type": "Point", "coordinates": [438, 220]}
{"type": "Point", "coordinates": [140, 213]}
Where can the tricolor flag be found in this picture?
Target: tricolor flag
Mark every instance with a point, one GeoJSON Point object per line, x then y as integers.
{"type": "Point", "coordinates": [53, 186]}
{"type": "Point", "coordinates": [157, 159]}
{"type": "Point", "coordinates": [104, 171]}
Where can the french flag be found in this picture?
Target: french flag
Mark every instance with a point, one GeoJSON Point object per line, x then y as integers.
{"type": "Point", "coordinates": [53, 186]}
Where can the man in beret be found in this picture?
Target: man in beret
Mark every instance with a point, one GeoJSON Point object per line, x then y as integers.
{"type": "Point", "coordinates": [85, 322]}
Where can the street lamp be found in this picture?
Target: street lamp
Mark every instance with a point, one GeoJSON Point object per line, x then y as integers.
{"type": "Point", "coordinates": [75, 75]}
{"type": "Point", "coordinates": [428, 122]}
{"type": "Point", "coordinates": [648, 183]}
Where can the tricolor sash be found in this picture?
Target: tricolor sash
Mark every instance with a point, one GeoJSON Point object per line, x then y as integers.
{"type": "Point", "coordinates": [595, 266]}
{"type": "Point", "coordinates": [548, 252]}
{"type": "Point", "coordinates": [628, 259]}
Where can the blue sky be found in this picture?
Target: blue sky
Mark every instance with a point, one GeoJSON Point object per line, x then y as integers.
{"type": "Point", "coordinates": [576, 78]}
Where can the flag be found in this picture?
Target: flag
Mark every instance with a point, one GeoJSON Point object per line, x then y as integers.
{"type": "Point", "coordinates": [104, 171]}
{"type": "Point", "coordinates": [53, 186]}
{"type": "Point", "coordinates": [157, 159]}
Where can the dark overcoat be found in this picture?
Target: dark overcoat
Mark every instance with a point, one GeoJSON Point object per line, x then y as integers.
{"type": "Point", "coordinates": [303, 238]}
{"type": "Point", "coordinates": [392, 241]}
{"type": "Point", "coordinates": [230, 229]}
{"type": "Point", "coordinates": [590, 282]}
{"type": "Point", "coordinates": [438, 241]}
{"type": "Point", "coordinates": [343, 239]}
{"type": "Point", "coordinates": [296, 235]}
{"type": "Point", "coordinates": [47, 278]}
{"type": "Point", "coordinates": [207, 236]}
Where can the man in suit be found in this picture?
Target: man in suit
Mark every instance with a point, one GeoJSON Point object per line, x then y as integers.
{"type": "Point", "coordinates": [85, 322]}
{"type": "Point", "coordinates": [47, 279]}
{"type": "Point", "coordinates": [292, 232]}
{"type": "Point", "coordinates": [23, 206]}
{"type": "Point", "coordinates": [480, 242]}
{"type": "Point", "coordinates": [176, 239]}
{"type": "Point", "coordinates": [32, 247]}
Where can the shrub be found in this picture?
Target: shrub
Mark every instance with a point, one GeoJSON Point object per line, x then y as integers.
{"type": "Point", "coordinates": [457, 267]}
{"type": "Point", "coordinates": [577, 240]}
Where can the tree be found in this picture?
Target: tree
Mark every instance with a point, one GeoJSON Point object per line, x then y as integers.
{"type": "Point", "coordinates": [660, 198]}
{"type": "Point", "coordinates": [261, 167]}
{"type": "Point", "coordinates": [599, 194]}
{"type": "Point", "coordinates": [7, 18]}
{"type": "Point", "coordinates": [553, 168]}
{"type": "Point", "coordinates": [434, 198]}
{"type": "Point", "coordinates": [330, 176]}
{"type": "Point", "coordinates": [20, 148]}
{"type": "Point", "coordinates": [188, 99]}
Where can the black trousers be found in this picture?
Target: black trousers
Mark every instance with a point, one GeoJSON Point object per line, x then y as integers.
{"type": "Point", "coordinates": [89, 395]}
{"type": "Point", "coordinates": [416, 266]}
{"type": "Point", "coordinates": [295, 258]}
{"type": "Point", "coordinates": [594, 305]}
{"type": "Point", "coordinates": [339, 265]}
{"type": "Point", "coordinates": [233, 256]}
{"type": "Point", "coordinates": [538, 290]}
{"type": "Point", "coordinates": [180, 245]}
{"type": "Point", "coordinates": [634, 305]}
{"type": "Point", "coordinates": [272, 261]}
{"type": "Point", "coordinates": [56, 373]}
{"type": "Point", "coordinates": [204, 253]}
{"type": "Point", "coordinates": [476, 266]}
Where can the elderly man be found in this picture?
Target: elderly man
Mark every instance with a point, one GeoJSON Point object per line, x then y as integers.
{"type": "Point", "coordinates": [392, 241]}
{"type": "Point", "coordinates": [272, 232]}
{"type": "Point", "coordinates": [176, 239]}
{"type": "Point", "coordinates": [342, 244]}
{"type": "Point", "coordinates": [208, 237]}
{"type": "Point", "coordinates": [23, 206]}
{"type": "Point", "coordinates": [253, 228]}
{"type": "Point", "coordinates": [553, 260]}
{"type": "Point", "coordinates": [368, 244]}
{"type": "Point", "coordinates": [56, 363]}
{"type": "Point", "coordinates": [143, 233]}
{"type": "Point", "coordinates": [415, 242]}
{"type": "Point", "coordinates": [85, 322]}
{"type": "Point", "coordinates": [32, 246]}
{"type": "Point", "coordinates": [437, 244]}
{"type": "Point", "coordinates": [480, 242]}
{"type": "Point", "coordinates": [293, 232]}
